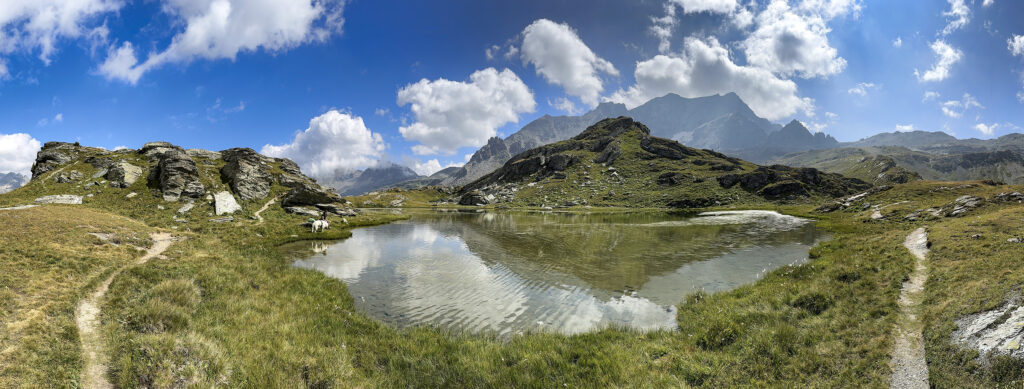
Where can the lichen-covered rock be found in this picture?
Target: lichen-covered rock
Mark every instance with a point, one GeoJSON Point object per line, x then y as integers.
{"type": "Point", "coordinates": [123, 174]}
{"type": "Point", "coordinates": [59, 199]}
{"type": "Point", "coordinates": [246, 173]}
{"type": "Point", "coordinates": [224, 203]}
{"type": "Point", "coordinates": [999, 331]}
{"type": "Point", "coordinates": [174, 173]}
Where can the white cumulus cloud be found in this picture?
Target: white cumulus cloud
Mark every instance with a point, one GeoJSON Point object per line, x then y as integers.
{"type": "Point", "coordinates": [904, 127]}
{"type": "Point", "coordinates": [986, 129]}
{"type": "Point", "coordinates": [453, 114]}
{"type": "Point", "coordinates": [17, 153]}
{"type": "Point", "coordinates": [334, 140]}
{"type": "Point", "coordinates": [716, 6]}
{"type": "Point", "coordinates": [794, 41]}
{"type": "Point", "coordinates": [1016, 45]}
{"type": "Point", "coordinates": [432, 166]}
{"type": "Point", "coordinates": [37, 26]}
{"type": "Point", "coordinates": [947, 57]}
{"type": "Point", "coordinates": [957, 108]}
{"type": "Point", "coordinates": [561, 57]}
{"type": "Point", "coordinates": [704, 68]}
{"type": "Point", "coordinates": [930, 95]}
{"type": "Point", "coordinates": [898, 42]}
{"type": "Point", "coordinates": [958, 16]}
{"type": "Point", "coordinates": [861, 89]}
{"type": "Point", "coordinates": [220, 29]}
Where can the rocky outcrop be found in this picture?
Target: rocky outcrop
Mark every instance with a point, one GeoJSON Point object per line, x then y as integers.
{"type": "Point", "coordinates": [123, 174]}
{"type": "Point", "coordinates": [246, 173]}
{"type": "Point", "coordinates": [72, 176]}
{"type": "Point", "coordinates": [999, 331]}
{"type": "Point", "coordinates": [205, 154]}
{"type": "Point", "coordinates": [963, 204]}
{"type": "Point", "coordinates": [153, 148]}
{"type": "Point", "coordinates": [310, 194]}
{"type": "Point", "coordinates": [224, 203]}
{"type": "Point", "coordinates": [52, 155]}
{"type": "Point", "coordinates": [173, 172]}
{"type": "Point", "coordinates": [59, 199]}
{"type": "Point", "coordinates": [778, 181]}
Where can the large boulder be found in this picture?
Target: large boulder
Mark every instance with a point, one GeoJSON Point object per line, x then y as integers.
{"type": "Point", "coordinates": [175, 174]}
{"type": "Point", "coordinates": [475, 197]}
{"type": "Point", "coordinates": [224, 203]}
{"type": "Point", "coordinates": [123, 174]}
{"type": "Point", "coordinates": [246, 173]}
{"type": "Point", "coordinates": [310, 194]}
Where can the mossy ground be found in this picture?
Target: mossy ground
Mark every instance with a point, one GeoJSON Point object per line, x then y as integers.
{"type": "Point", "coordinates": [225, 308]}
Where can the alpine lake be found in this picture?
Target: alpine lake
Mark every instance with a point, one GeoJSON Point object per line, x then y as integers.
{"type": "Point", "coordinates": [509, 272]}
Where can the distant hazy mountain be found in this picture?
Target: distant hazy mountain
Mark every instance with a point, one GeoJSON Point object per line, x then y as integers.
{"type": "Point", "coordinates": [11, 181]}
{"type": "Point", "coordinates": [998, 159]}
{"type": "Point", "coordinates": [722, 123]}
{"type": "Point", "coordinates": [911, 139]}
{"type": "Point", "coordinates": [354, 182]}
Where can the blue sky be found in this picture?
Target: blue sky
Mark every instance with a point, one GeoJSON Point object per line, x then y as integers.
{"type": "Point", "coordinates": [344, 84]}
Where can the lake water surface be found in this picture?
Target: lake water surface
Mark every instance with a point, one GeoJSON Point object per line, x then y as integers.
{"type": "Point", "coordinates": [506, 272]}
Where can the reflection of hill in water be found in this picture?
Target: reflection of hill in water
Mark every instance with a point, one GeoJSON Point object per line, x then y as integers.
{"type": "Point", "coordinates": [508, 272]}
{"type": "Point", "coordinates": [611, 252]}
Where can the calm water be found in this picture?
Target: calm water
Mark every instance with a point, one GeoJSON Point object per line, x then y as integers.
{"type": "Point", "coordinates": [566, 272]}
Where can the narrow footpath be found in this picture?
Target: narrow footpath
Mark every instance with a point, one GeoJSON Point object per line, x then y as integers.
{"type": "Point", "coordinates": [909, 369]}
{"type": "Point", "coordinates": [87, 317]}
{"type": "Point", "coordinates": [265, 206]}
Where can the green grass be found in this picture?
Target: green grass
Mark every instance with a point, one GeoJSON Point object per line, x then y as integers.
{"type": "Point", "coordinates": [49, 261]}
{"type": "Point", "coordinates": [227, 309]}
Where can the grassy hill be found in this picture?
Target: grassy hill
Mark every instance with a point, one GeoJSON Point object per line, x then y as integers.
{"type": "Point", "coordinates": [616, 162]}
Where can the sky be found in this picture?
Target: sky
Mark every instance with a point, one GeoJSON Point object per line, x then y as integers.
{"type": "Point", "coordinates": [336, 84]}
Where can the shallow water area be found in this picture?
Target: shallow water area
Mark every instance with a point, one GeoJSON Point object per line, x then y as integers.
{"type": "Point", "coordinates": [508, 272]}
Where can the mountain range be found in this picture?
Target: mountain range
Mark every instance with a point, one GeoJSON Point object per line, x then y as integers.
{"type": "Point", "coordinates": [722, 123]}
{"type": "Point", "coordinates": [895, 157]}
{"type": "Point", "coordinates": [11, 181]}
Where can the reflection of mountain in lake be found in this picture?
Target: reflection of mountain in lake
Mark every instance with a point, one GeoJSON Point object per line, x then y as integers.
{"type": "Point", "coordinates": [508, 272]}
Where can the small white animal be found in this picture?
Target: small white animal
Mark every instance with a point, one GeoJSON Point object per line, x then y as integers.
{"type": "Point", "coordinates": [320, 225]}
